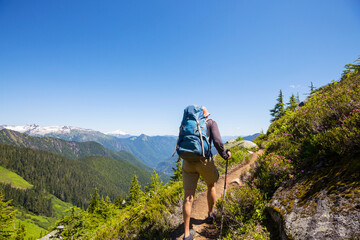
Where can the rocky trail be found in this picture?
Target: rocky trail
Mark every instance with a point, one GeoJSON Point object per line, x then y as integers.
{"type": "Point", "coordinates": [200, 208]}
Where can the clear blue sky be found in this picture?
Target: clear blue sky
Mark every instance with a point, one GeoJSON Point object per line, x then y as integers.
{"type": "Point", "coordinates": [135, 65]}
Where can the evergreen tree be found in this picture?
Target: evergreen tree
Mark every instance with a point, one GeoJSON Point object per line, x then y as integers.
{"type": "Point", "coordinates": [177, 172]}
{"type": "Point", "coordinates": [119, 202]}
{"type": "Point", "coordinates": [134, 191]}
{"type": "Point", "coordinates": [312, 88]}
{"type": "Point", "coordinates": [298, 99]}
{"type": "Point", "coordinates": [279, 109]}
{"type": "Point", "coordinates": [7, 215]}
{"type": "Point", "coordinates": [20, 232]}
{"type": "Point", "coordinates": [94, 202]}
{"type": "Point", "coordinates": [155, 183]}
{"type": "Point", "coordinates": [292, 104]}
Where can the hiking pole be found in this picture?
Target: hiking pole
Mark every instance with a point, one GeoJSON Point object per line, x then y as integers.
{"type": "Point", "coordinates": [222, 211]}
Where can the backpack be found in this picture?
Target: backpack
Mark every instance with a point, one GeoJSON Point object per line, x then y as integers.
{"type": "Point", "coordinates": [193, 144]}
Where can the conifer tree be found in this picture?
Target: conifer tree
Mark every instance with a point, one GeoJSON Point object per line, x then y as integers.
{"type": "Point", "coordinates": [20, 232]}
{"type": "Point", "coordinates": [177, 176]}
{"type": "Point", "coordinates": [312, 88]}
{"type": "Point", "coordinates": [155, 183]}
{"type": "Point", "coordinates": [292, 104]}
{"type": "Point", "coordinates": [279, 109]}
{"type": "Point", "coordinates": [134, 191]}
{"type": "Point", "coordinates": [94, 202]}
{"type": "Point", "coordinates": [298, 99]}
{"type": "Point", "coordinates": [7, 215]}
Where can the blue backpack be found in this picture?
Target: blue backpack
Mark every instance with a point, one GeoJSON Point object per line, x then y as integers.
{"type": "Point", "coordinates": [193, 144]}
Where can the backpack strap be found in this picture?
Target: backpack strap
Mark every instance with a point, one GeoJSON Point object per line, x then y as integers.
{"type": "Point", "coordinates": [201, 137]}
{"type": "Point", "coordinates": [177, 142]}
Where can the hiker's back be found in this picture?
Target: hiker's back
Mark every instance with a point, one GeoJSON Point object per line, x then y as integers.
{"type": "Point", "coordinates": [193, 144]}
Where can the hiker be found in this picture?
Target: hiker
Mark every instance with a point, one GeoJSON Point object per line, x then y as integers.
{"type": "Point", "coordinates": [204, 167]}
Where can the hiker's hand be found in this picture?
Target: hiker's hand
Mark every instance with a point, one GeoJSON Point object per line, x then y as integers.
{"type": "Point", "coordinates": [229, 154]}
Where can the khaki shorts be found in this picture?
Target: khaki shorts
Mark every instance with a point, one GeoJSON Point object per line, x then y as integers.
{"type": "Point", "coordinates": [192, 170]}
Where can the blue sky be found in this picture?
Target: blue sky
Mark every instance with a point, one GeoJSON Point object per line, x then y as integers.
{"type": "Point", "coordinates": [135, 65]}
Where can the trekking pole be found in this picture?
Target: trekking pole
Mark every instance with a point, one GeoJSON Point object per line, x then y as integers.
{"type": "Point", "coordinates": [222, 211]}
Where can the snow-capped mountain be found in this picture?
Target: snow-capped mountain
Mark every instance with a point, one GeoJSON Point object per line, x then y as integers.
{"type": "Point", "coordinates": [35, 130]}
{"type": "Point", "coordinates": [119, 134]}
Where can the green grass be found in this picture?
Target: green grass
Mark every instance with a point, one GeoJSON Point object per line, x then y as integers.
{"type": "Point", "coordinates": [36, 225]}
{"type": "Point", "coordinates": [15, 180]}
{"type": "Point", "coordinates": [59, 207]}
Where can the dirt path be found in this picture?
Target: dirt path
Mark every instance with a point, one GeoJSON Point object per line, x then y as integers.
{"type": "Point", "coordinates": [200, 208]}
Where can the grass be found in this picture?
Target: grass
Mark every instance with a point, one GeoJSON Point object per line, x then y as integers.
{"type": "Point", "coordinates": [36, 225]}
{"type": "Point", "coordinates": [7, 176]}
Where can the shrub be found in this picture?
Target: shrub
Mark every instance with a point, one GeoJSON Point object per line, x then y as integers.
{"type": "Point", "coordinates": [243, 211]}
{"type": "Point", "coordinates": [272, 170]}
{"type": "Point", "coordinates": [326, 125]}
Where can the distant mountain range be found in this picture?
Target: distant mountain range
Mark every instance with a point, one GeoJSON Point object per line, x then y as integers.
{"type": "Point", "coordinates": [154, 151]}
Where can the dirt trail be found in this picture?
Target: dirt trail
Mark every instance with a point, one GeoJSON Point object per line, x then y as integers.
{"type": "Point", "coordinates": [200, 207]}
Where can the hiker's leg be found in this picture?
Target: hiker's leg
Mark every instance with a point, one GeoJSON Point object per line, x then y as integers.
{"type": "Point", "coordinates": [211, 197]}
{"type": "Point", "coordinates": [187, 205]}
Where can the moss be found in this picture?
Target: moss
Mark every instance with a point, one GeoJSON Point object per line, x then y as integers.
{"type": "Point", "coordinates": [349, 195]}
{"type": "Point", "coordinates": [277, 209]}
{"type": "Point", "coordinates": [290, 206]}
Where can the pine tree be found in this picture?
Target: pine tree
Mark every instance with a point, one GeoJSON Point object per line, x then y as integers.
{"type": "Point", "coordinates": [94, 202]}
{"type": "Point", "coordinates": [177, 172]}
{"type": "Point", "coordinates": [279, 109]}
{"type": "Point", "coordinates": [155, 183]}
{"type": "Point", "coordinates": [134, 191]}
{"type": "Point", "coordinates": [292, 104]}
{"type": "Point", "coordinates": [312, 88]}
{"type": "Point", "coordinates": [20, 232]}
{"type": "Point", "coordinates": [7, 215]}
{"type": "Point", "coordinates": [298, 99]}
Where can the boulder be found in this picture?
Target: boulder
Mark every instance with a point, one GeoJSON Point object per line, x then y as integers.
{"type": "Point", "coordinates": [247, 144]}
{"type": "Point", "coordinates": [320, 205]}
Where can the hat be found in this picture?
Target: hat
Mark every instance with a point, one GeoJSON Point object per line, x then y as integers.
{"type": "Point", "coordinates": [205, 111]}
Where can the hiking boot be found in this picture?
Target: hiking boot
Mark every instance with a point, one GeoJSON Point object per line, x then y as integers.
{"type": "Point", "coordinates": [211, 218]}
{"type": "Point", "coordinates": [191, 235]}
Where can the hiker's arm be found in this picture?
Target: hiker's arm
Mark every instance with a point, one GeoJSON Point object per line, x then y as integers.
{"type": "Point", "coordinates": [216, 137]}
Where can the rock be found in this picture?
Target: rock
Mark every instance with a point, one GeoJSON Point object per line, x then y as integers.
{"type": "Point", "coordinates": [247, 144]}
{"type": "Point", "coordinates": [318, 206]}
{"type": "Point", "coordinates": [236, 181]}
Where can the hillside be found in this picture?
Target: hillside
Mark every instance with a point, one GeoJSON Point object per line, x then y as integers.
{"type": "Point", "coordinates": [70, 180]}
{"type": "Point", "coordinates": [18, 190]}
{"type": "Point", "coordinates": [149, 149]}
{"type": "Point", "coordinates": [69, 149]}
{"type": "Point", "coordinates": [311, 168]}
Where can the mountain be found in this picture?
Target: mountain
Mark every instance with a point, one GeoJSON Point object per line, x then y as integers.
{"type": "Point", "coordinates": [69, 134]}
{"type": "Point", "coordinates": [119, 134]}
{"type": "Point", "coordinates": [149, 149]}
{"type": "Point", "coordinates": [154, 151]}
{"type": "Point", "coordinates": [251, 137]}
{"type": "Point", "coordinates": [71, 180]}
{"type": "Point", "coordinates": [69, 149]}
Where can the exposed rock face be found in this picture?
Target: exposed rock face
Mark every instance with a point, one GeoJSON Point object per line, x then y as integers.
{"type": "Point", "coordinates": [247, 144]}
{"type": "Point", "coordinates": [242, 144]}
{"type": "Point", "coordinates": [323, 205]}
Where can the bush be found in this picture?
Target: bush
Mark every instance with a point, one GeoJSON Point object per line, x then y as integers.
{"type": "Point", "coordinates": [238, 155]}
{"type": "Point", "coordinates": [326, 126]}
{"type": "Point", "coordinates": [272, 170]}
{"type": "Point", "coordinates": [243, 211]}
